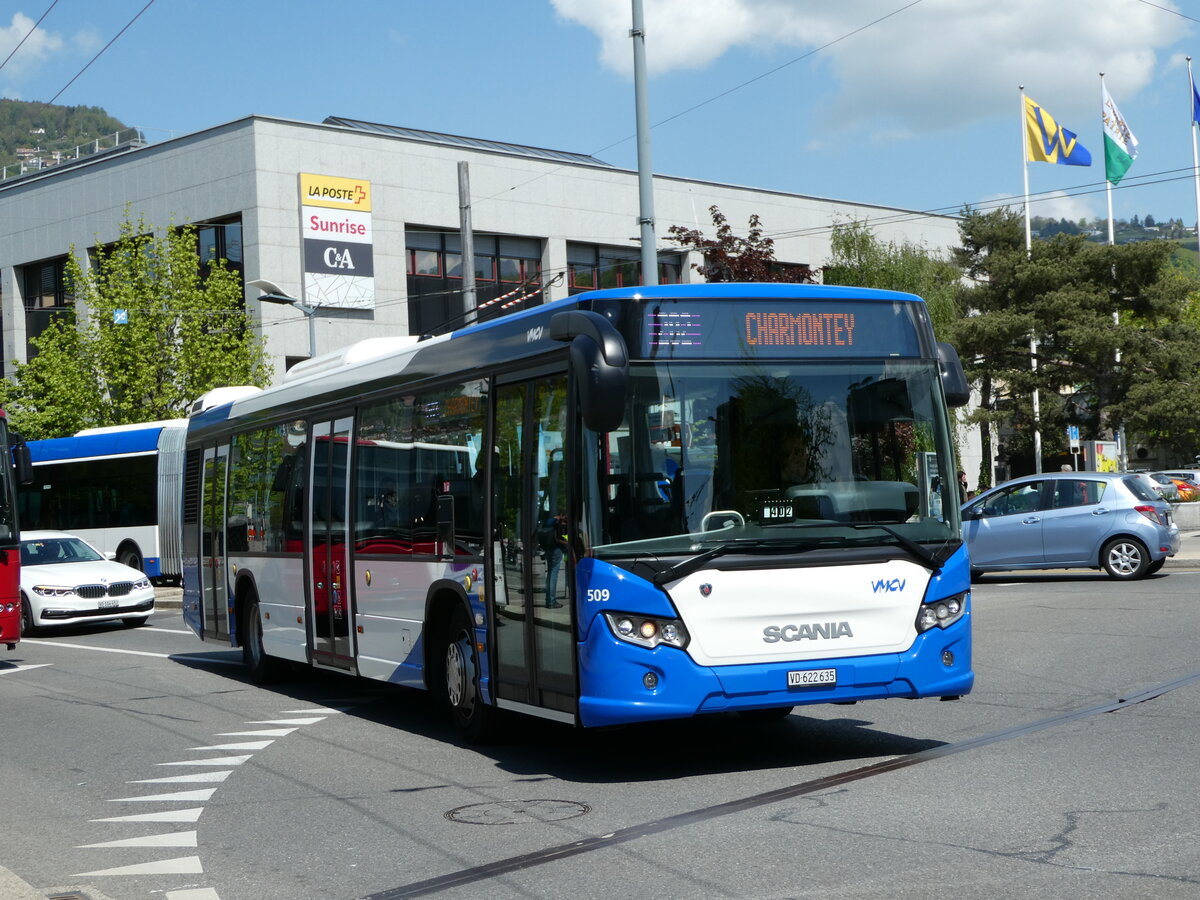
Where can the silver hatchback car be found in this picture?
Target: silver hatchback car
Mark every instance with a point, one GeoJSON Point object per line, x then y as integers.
{"type": "Point", "coordinates": [1069, 520]}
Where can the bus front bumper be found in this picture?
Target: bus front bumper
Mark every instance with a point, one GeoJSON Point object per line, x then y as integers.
{"type": "Point", "coordinates": [621, 683]}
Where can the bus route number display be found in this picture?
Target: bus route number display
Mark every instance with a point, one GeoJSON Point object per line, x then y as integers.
{"type": "Point", "coordinates": [741, 328]}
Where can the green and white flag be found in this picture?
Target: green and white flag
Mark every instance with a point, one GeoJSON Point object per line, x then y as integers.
{"type": "Point", "coordinates": [1120, 146]}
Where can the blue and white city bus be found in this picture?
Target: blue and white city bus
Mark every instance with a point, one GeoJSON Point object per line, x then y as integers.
{"type": "Point", "coordinates": [628, 505]}
{"type": "Point", "coordinates": [116, 487]}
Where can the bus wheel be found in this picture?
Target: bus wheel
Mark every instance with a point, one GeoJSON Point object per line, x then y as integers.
{"type": "Point", "coordinates": [472, 717]}
{"type": "Point", "coordinates": [1125, 558]}
{"type": "Point", "coordinates": [263, 669]}
{"type": "Point", "coordinates": [28, 629]}
{"type": "Point", "coordinates": [130, 556]}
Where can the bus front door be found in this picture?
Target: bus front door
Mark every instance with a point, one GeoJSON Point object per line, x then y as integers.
{"type": "Point", "coordinates": [534, 612]}
{"type": "Point", "coordinates": [214, 585]}
{"type": "Point", "coordinates": [328, 564]}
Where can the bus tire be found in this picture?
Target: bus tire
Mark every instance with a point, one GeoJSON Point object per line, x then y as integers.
{"type": "Point", "coordinates": [459, 686]}
{"type": "Point", "coordinates": [263, 669]}
{"type": "Point", "coordinates": [28, 629]}
{"type": "Point", "coordinates": [1125, 559]}
{"type": "Point", "coordinates": [130, 555]}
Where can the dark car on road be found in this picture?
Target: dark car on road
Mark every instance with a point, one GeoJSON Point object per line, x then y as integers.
{"type": "Point", "coordinates": [1066, 520]}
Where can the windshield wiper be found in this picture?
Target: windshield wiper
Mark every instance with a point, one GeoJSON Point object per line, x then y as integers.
{"type": "Point", "coordinates": [693, 563]}
{"type": "Point", "coordinates": [918, 551]}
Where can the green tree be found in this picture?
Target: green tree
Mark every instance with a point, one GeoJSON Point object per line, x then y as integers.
{"type": "Point", "coordinates": [859, 258]}
{"type": "Point", "coordinates": [1111, 329]}
{"type": "Point", "coordinates": [730, 257]}
{"type": "Point", "coordinates": [147, 336]}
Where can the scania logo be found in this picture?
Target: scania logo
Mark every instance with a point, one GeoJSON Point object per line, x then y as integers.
{"type": "Point", "coordinates": [705, 590]}
{"type": "Point", "coordinates": [884, 585]}
{"type": "Point", "coordinates": [773, 634]}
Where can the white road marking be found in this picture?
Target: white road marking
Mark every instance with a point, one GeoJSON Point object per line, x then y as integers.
{"type": "Point", "coordinates": [203, 794]}
{"type": "Point", "coordinates": [17, 668]}
{"type": "Point", "coordinates": [309, 721]}
{"type": "Point", "coordinates": [244, 745]}
{"type": "Point", "coordinates": [172, 839]}
{"type": "Point", "coordinates": [193, 894]}
{"type": "Point", "coordinates": [184, 865]}
{"type": "Point", "coordinates": [172, 815]}
{"type": "Point", "coordinates": [198, 777]}
{"type": "Point", "coordinates": [265, 732]}
{"type": "Point", "coordinates": [216, 761]}
{"type": "Point", "coordinates": [97, 649]}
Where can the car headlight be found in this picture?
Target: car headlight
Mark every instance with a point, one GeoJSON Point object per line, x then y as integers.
{"type": "Point", "coordinates": [141, 584]}
{"type": "Point", "coordinates": [52, 590]}
{"type": "Point", "coordinates": [941, 613]}
{"type": "Point", "coordinates": [647, 631]}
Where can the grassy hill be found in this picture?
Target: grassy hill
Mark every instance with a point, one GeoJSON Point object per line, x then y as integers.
{"type": "Point", "coordinates": [45, 129]}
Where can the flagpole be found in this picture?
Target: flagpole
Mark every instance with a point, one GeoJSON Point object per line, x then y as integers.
{"type": "Point", "coordinates": [1037, 427]}
{"type": "Point", "coordinates": [1107, 184]}
{"type": "Point", "coordinates": [1025, 169]}
{"type": "Point", "coordinates": [1195, 159]}
{"type": "Point", "coordinates": [1119, 434]}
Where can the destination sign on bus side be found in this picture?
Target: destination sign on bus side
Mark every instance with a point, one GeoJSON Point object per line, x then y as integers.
{"type": "Point", "coordinates": [682, 328]}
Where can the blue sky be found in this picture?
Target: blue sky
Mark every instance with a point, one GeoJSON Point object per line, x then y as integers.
{"type": "Point", "coordinates": [894, 102]}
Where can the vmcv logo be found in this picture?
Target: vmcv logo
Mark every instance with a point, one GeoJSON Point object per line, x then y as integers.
{"type": "Point", "coordinates": [883, 585]}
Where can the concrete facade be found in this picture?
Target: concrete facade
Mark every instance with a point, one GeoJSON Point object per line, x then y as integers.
{"type": "Point", "coordinates": [249, 168]}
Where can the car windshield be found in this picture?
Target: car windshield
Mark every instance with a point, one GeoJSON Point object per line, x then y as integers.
{"type": "Point", "coordinates": [49, 551]}
{"type": "Point", "coordinates": [1141, 488]}
{"type": "Point", "coordinates": [774, 458]}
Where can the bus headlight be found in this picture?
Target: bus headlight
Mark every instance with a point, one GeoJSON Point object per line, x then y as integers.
{"type": "Point", "coordinates": [647, 631]}
{"type": "Point", "coordinates": [941, 613]}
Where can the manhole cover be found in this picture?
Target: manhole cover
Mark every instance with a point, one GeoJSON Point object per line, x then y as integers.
{"type": "Point", "coordinates": [517, 812]}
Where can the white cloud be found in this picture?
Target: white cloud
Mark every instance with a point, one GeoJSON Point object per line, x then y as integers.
{"type": "Point", "coordinates": [934, 65]}
{"type": "Point", "coordinates": [38, 47]}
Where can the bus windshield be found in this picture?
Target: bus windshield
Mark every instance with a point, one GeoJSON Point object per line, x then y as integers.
{"type": "Point", "coordinates": [834, 453]}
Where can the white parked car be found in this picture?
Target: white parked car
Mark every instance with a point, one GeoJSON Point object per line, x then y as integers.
{"type": "Point", "coordinates": [67, 581]}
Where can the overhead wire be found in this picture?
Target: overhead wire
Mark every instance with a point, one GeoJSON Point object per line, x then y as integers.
{"type": "Point", "coordinates": [27, 34]}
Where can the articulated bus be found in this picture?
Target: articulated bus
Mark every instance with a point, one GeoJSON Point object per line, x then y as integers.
{"type": "Point", "coordinates": [14, 468]}
{"type": "Point", "coordinates": [118, 488]}
{"type": "Point", "coordinates": [628, 505]}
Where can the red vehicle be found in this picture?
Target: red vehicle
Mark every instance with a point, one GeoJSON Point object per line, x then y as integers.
{"type": "Point", "coordinates": [14, 467]}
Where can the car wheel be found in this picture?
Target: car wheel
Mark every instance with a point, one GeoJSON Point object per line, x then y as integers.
{"type": "Point", "coordinates": [263, 669]}
{"type": "Point", "coordinates": [474, 719]}
{"type": "Point", "coordinates": [774, 714]}
{"type": "Point", "coordinates": [1156, 565]}
{"type": "Point", "coordinates": [1125, 558]}
{"type": "Point", "coordinates": [28, 629]}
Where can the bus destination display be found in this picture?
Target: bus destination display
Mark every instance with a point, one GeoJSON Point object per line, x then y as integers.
{"type": "Point", "coordinates": [770, 328]}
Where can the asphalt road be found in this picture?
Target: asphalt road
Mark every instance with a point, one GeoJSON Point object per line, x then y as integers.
{"type": "Point", "coordinates": [140, 763]}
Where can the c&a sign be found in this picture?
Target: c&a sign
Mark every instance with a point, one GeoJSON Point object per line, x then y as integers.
{"type": "Point", "coordinates": [335, 221]}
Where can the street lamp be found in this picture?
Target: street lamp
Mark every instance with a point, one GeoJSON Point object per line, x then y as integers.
{"type": "Point", "coordinates": [273, 293]}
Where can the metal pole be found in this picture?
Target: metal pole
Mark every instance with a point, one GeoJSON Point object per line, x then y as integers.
{"type": "Point", "coordinates": [645, 172]}
{"type": "Point", "coordinates": [1195, 160]}
{"type": "Point", "coordinates": [311, 312]}
{"type": "Point", "coordinates": [469, 300]}
{"type": "Point", "coordinates": [1037, 425]}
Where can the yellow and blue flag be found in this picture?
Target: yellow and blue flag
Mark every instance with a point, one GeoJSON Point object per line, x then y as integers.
{"type": "Point", "coordinates": [1047, 141]}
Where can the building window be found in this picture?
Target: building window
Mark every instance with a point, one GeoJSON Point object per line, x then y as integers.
{"type": "Point", "coordinates": [593, 266]}
{"type": "Point", "coordinates": [507, 277]}
{"type": "Point", "coordinates": [44, 288]}
{"type": "Point", "coordinates": [220, 239]}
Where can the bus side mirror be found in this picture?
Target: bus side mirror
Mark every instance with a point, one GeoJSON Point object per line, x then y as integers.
{"type": "Point", "coordinates": [954, 379]}
{"type": "Point", "coordinates": [599, 365]}
{"type": "Point", "coordinates": [22, 461]}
